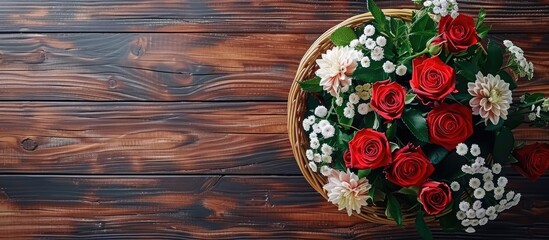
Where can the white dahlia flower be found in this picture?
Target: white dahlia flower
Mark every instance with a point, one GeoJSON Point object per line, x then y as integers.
{"type": "Point", "coordinates": [347, 191]}
{"type": "Point", "coordinates": [491, 97]}
{"type": "Point", "coordinates": [335, 68]}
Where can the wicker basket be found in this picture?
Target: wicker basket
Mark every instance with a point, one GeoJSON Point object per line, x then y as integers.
{"type": "Point", "coordinates": [297, 107]}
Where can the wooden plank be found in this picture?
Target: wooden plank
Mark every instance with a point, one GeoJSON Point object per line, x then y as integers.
{"type": "Point", "coordinates": [234, 15]}
{"type": "Point", "coordinates": [174, 67]}
{"type": "Point", "coordinates": [185, 137]}
{"type": "Point", "coordinates": [215, 207]}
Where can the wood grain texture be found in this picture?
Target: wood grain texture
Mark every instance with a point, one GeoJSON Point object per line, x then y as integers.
{"type": "Point", "coordinates": [214, 207]}
{"type": "Point", "coordinates": [301, 16]}
{"type": "Point", "coordinates": [116, 138]}
{"type": "Point", "coordinates": [175, 67]}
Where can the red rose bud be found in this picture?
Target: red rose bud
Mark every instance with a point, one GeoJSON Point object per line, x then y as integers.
{"type": "Point", "coordinates": [434, 196]}
{"type": "Point", "coordinates": [369, 149]}
{"type": "Point", "coordinates": [410, 167]}
{"type": "Point", "coordinates": [533, 160]}
{"type": "Point", "coordinates": [388, 99]}
{"type": "Point", "coordinates": [450, 124]}
{"type": "Point", "coordinates": [432, 80]}
{"type": "Point", "coordinates": [459, 33]}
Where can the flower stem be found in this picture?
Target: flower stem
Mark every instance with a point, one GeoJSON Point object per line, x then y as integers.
{"type": "Point", "coordinates": [351, 126]}
{"type": "Point", "coordinates": [426, 50]}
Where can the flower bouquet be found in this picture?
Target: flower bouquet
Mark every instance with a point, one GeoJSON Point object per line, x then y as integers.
{"type": "Point", "coordinates": [407, 116]}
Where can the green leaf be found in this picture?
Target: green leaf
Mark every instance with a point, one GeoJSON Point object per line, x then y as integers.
{"type": "Point", "coordinates": [417, 124]}
{"type": "Point", "coordinates": [491, 127]}
{"type": "Point", "coordinates": [372, 74]}
{"type": "Point", "coordinates": [378, 15]}
{"type": "Point", "coordinates": [344, 121]}
{"type": "Point", "coordinates": [364, 173]}
{"type": "Point", "coordinates": [503, 145]}
{"type": "Point", "coordinates": [311, 85]}
{"type": "Point", "coordinates": [424, 29]}
{"type": "Point", "coordinates": [530, 98]}
{"type": "Point", "coordinates": [411, 191]}
{"type": "Point", "coordinates": [483, 30]}
{"type": "Point", "coordinates": [393, 209]}
{"type": "Point", "coordinates": [391, 131]}
{"type": "Point", "coordinates": [513, 121]}
{"type": "Point", "coordinates": [393, 146]}
{"type": "Point", "coordinates": [410, 98]}
{"type": "Point", "coordinates": [422, 227]}
{"type": "Point", "coordinates": [508, 79]}
{"type": "Point", "coordinates": [436, 154]}
{"type": "Point", "coordinates": [343, 36]}
{"type": "Point", "coordinates": [467, 70]}
{"type": "Point", "coordinates": [449, 222]}
{"type": "Point", "coordinates": [480, 18]}
{"type": "Point", "coordinates": [495, 58]}
{"type": "Point", "coordinates": [512, 159]}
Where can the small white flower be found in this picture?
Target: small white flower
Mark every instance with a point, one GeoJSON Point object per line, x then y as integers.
{"type": "Point", "coordinates": [488, 177]}
{"type": "Point", "coordinates": [339, 101]}
{"type": "Point", "coordinates": [502, 203]}
{"type": "Point", "coordinates": [474, 183]}
{"type": "Point", "coordinates": [312, 166]}
{"type": "Point", "coordinates": [325, 170]}
{"type": "Point", "coordinates": [475, 167]}
{"type": "Point", "coordinates": [461, 215]}
{"type": "Point", "coordinates": [481, 213]}
{"type": "Point", "coordinates": [477, 205]}
{"type": "Point", "coordinates": [509, 196]}
{"type": "Point", "coordinates": [365, 95]}
{"type": "Point", "coordinates": [464, 206]}
{"type": "Point", "coordinates": [326, 149]}
{"type": "Point", "coordinates": [370, 43]}
{"type": "Point", "coordinates": [517, 198]}
{"type": "Point", "coordinates": [500, 208]}
{"type": "Point", "coordinates": [363, 108]}
{"type": "Point", "coordinates": [365, 62]}
{"type": "Point", "coordinates": [311, 119]}
{"type": "Point", "coordinates": [377, 54]}
{"type": "Point", "coordinates": [483, 221]}
{"type": "Point", "coordinates": [401, 70]}
{"type": "Point", "coordinates": [465, 222]}
{"type": "Point", "coordinates": [309, 153]}
{"type": "Point", "coordinates": [326, 158]}
{"type": "Point", "coordinates": [532, 116]}
{"type": "Point", "coordinates": [354, 43]}
{"type": "Point", "coordinates": [499, 191]}
{"type": "Point", "coordinates": [354, 98]}
{"type": "Point", "coordinates": [436, 10]}
{"type": "Point", "coordinates": [316, 128]}
{"type": "Point", "coordinates": [493, 217]}
{"type": "Point", "coordinates": [498, 196]}
{"type": "Point", "coordinates": [388, 67]}
{"type": "Point", "coordinates": [328, 131]}
{"type": "Point", "coordinates": [483, 170]}
{"type": "Point", "coordinates": [348, 112]}
{"type": "Point", "coordinates": [454, 186]}
{"type": "Point", "coordinates": [474, 223]}
{"type": "Point", "coordinates": [362, 39]}
{"type": "Point", "coordinates": [381, 41]}
{"type": "Point", "coordinates": [480, 160]}
{"type": "Point", "coordinates": [502, 181]}
{"type": "Point", "coordinates": [467, 169]}
{"type": "Point", "coordinates": [323, 123]}
{"type": "Point", "coordinates": [471, 213]}
{"type": "Point", "coordinates": [321, 111]}
{"type": "Point", "coordinates": [507, 43]}
{"type": "Point", "coordinates": [488, 186]}
{"type": "Point", "coordinates": [470, 230]}
{"type": "Point", "coordinates": [479, 193]}
{"type": "Point", "coordinates": [427, 3]}
{"type": "Point", "coordinates": [461, 149]}
{"type": "Point", "coordinates": [317, 157]}
{"type": "Point", "coordinates": [315, 143]}
{"type": "Point", "coordinates": [490, 211]}
{"type": "Point", "coordinates": [454, 14]}
{"type": "Point", "coordinates": [345, 88]}
{"type": "Point", "coordinates": [475, 150]}
{"type": "Point", "coordinates": [369, 30]}
{"type": "Point", "coordinates": [359, 88]}
{"type": "Point", "coordinates": [306, 125]}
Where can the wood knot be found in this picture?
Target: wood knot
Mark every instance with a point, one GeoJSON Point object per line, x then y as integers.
{"type": "Point", "coordinates": [29, 144]}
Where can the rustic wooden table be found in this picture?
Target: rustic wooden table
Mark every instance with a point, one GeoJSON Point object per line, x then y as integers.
{"type": "Point", "coordinates": [167, 119]}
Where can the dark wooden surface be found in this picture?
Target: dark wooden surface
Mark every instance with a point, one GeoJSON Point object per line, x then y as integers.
{"type": "Point", "coordinates": [166, 119]}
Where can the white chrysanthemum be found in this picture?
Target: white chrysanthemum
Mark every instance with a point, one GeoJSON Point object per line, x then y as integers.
{"type": "Point", "coordinates": [465, 222]}
{"type": "Point", "coordinates": [370, 43]}
{"type": "Point", "coordinates": [362, 39]}
{"type": "Point", "coordinates": [388, 67]}
{"type": "Point", "coordinates": [454, 186]}
{"type": "Point", "coordinates": [381, 41]}
{"type": "Point", "coordinates": [323, 123]}
{"type": "Point", "coordinates": [481, 213]}
{"type": "Point", "coordinates": [474, 223]}
{"type": "Point", "coordinates": [490, 211]}
{"type": "Point", "coordinates": [321, 111]}
{"type": "Point", "coordinates": [483, 221]}
{"type": "Point", "coordinates": [348, 112]}
{"type": "Point", "coordinates": [326, 149]}
{"type": "Point", "coordinates": [461, 215]}
{"type": "Point", "coordinates": [365, 62]}
{"type": "Point", "coordinates": [347, 191]}
{"type": "Point", "coordinates": [502, 181]}
{"type": "Point", "coordinates": [317, 157]}
{"type": "Point", "coordinates": [316, 128]}
{"type": "Point", "coordinates": [488, 177]}
{"type": "Point", "coordinates": [306, 125]}
{"type": "Point", "coordinates": [314, 143]}
{"type": "Point", "coordinates": [363, 108]}
{"type": "Point", "coordinates": [377, 54]}
{"type": "Point", "coordinates": [493, 217]}
{"type": "Point", "coordinates": [499, 191]}
{"type": "Point", "coordinates": [496, 168]}
{"type": "Point", "coordinates": [489, 186]}
{"type": "Point", "coordinates": [491, 97]}
{"type": "Point", "coordinates": [479, 193]}
{"type": "Point", "coordinates": [476, 167]}
{"type": "Point", "coordinates": [369, 30]}
{"type": "Point", "coordinates": [327, 158]}
{"type": "Point", "coordinates": [470, 230]}
{"type": "Point", "coordinates": [471, 213]}
{"type": "Point", "coordinates": [328, 131]}
{"type": "Point", "coordinates": [354, 43]}
{"type": "Point", "coordinates": [354, 98]}
{"type": "Point", "coordinates": [475, 150]}
{"type": "Point", "coordinates": [312, 166]}
{"type": "Point", "coordinates": [310, 154]}
{"type": "Point", "coordinates": [474, 183]}
{"type": "Point", "coordinates": [335, 68]}
{"type": "Point", "coordinates": [461, 149]}
{"type": "Point", "coordinates": [480, 161]}
{"type": "Point", "coordinates": [325, 170]}
{"type": "Point", "coordinates": [401, 70]}
{"type": "Point", "coordinates": [464, 206]}
{"type": "Point", "coordinates": [477, 205]}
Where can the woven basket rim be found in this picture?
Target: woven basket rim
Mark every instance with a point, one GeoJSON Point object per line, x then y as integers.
{"type": "Point", "coordinates": [297, 107]}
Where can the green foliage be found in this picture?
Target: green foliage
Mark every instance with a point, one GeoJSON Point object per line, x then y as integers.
{"type": "Point", "coordinates": [503, 146]}
{"type": "Point", "coordinates": [372, 74]}
{"type": "Point", "coordinates": [435, 153]}
{"type": "Point", "coordinates": [423, 29]}
{"type": "Point", "coordinates": [410, 191]}
{"type": "Point", "coordinates": [391, 130]}
{"type": "Point", "coordinates": [480, 18]}
{"type": "Point", "coordinates": [379, 16]}
{"type": "Point", "coordinates": [344, 121]}
{"type": "Point", "coordinates": [364, 173]}
{"type": "Point", "coordinates": [508, 79]}
{"type": "Point", "coordinates": [449, 222]}
{"type": "Point", "coordinates": [343, 36]}
{"type": "Point", "coordinates": [311, 85]}
{"type": "Point", "coordinates": [393, 209]}
{"type": "Point", "coordinates": [494, 59]}
{"type": "Point", "coordinates": [416, 123]}
{"type": "Point", "coordinates": [422, 227]}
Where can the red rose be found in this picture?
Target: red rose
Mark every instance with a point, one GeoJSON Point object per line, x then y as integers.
{"type": "Point", "coordinates": [432, 79]}
{"type": "Point", "coordinates": [434, 196]}
{"type": "Point", "coordinates": [388, 99]}
{"type": "Point", "coordinates": [369, 149]}
{"type": "Point", "coordinates": [450, 124]}
{"type": "Point", "coordinates": [459, 33]}
{"type": "Point", "coordinates": [410, 167]}
{"type": "Point", "coordinates": [533, 160]}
